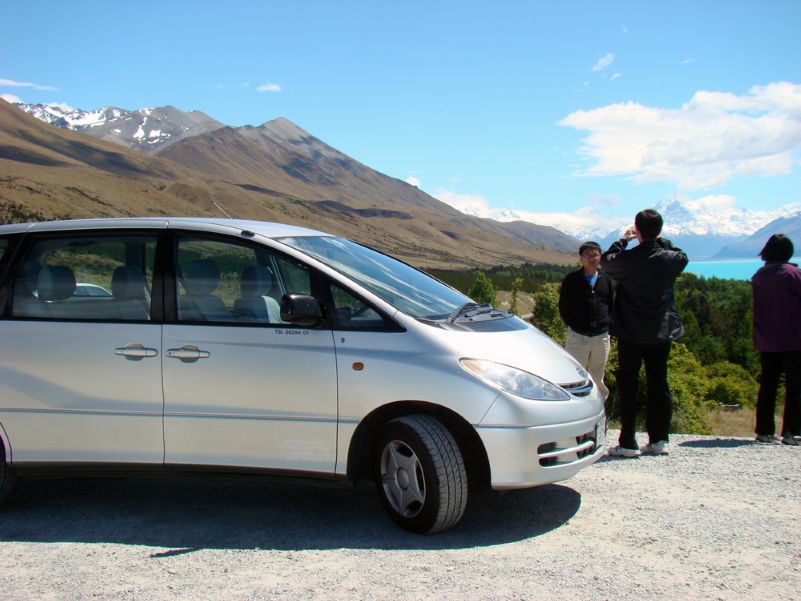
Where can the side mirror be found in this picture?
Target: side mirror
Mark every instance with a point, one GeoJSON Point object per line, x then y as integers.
{"type": "Point", "coordinates": [301, 309]}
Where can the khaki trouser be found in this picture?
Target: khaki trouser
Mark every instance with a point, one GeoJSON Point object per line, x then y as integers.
{"type": "Point", "coordinates": [591, 352]}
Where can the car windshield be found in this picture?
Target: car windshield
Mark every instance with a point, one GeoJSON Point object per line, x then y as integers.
{"type": "Point", "coordinates": [404, 287]}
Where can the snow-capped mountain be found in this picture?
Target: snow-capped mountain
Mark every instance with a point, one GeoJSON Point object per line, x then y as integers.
{"type": "Point", "coordinates": [714, 215]}
{"type": "Point", "coordinates": [702, 227]}
{"type": "Point", "coordinates": [148, 130]}
{"type": "Point", "coordinates": [705, 226]}
{"type": "Point", "coordinates": [789, 226]}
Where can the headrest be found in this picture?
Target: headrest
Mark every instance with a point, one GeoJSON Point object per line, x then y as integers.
{"type": "Point", "coordinates": [56, 282]}
{"type": "Point", "coordinates": [128, 281]}
{"type": "Point", "coordinates": [202, 277]}
{"type": "Point", "coordinates": [256, 281]}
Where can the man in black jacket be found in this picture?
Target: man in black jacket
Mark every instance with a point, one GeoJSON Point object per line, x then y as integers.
{"type": "Point", "coordinates": [645, 321]}
{"type": "Point", "coordinates": [585, 304]}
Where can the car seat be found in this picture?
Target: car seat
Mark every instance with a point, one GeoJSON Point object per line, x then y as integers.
{"type": "Point", "coordinates": [130, 293]}
{"type": "Point", "coordinates": [255, 304]}
{"type": "Point", "coordinates": [201, 279]}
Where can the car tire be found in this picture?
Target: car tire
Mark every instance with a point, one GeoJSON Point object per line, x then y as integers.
{"type": "Point", "coordinates": [420, 474]}
{"type": "Point", "coordinates": [6, 475]}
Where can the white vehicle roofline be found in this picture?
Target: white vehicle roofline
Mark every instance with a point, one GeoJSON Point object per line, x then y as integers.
{"type": "Point", "coordinates": [264, 228]}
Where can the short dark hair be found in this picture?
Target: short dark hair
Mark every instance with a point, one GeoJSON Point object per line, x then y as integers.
{"type": "Point", "coordinates": [649, 223]}
{"type": "Point", "coordinates": [778, 249]}
{"type": "Point", "coordinates": [589, 244]}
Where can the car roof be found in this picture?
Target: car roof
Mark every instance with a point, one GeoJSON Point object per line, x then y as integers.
{"type": "Point", "coordinates": [263, 228]}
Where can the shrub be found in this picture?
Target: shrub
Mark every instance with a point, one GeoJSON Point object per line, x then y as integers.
{"type": "Point", "coordinates": [482, 290]}
{"type": "Point", "coordinates": [546, 313]}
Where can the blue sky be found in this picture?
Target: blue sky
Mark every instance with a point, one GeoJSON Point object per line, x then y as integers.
{"type": "Point", "coordinates": [570, 113]}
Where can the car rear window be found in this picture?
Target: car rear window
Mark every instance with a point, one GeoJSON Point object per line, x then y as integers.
{"type": "Point", "coordinates": [87, 277]}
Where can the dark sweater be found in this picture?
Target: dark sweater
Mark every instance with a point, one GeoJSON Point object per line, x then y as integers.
{"type": "Point", "coordinates": [586, 310]}
{"type": "Point", "coordinates": [645, 312]}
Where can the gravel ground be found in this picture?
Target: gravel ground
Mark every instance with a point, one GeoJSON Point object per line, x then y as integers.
{"type": "Point", "coordinates": [720, 518]}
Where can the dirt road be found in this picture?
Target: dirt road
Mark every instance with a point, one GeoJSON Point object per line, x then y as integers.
{"type": "Point", "coordinates": [717, 519]}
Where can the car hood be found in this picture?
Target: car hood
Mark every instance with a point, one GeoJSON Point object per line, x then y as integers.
{"type": "Point", "coordinates": [526, 348]}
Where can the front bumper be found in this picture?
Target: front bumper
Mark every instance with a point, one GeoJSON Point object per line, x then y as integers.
{"type": "Point", "coordinates": [523, 457]}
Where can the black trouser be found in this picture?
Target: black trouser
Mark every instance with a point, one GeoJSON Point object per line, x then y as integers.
{"type": "Point", "coordinates": [659, 406]}
{"type": "Point", "coordinates": [773, 364]}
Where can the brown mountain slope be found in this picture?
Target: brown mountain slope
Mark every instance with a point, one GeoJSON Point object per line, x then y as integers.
{"type": "Point", "coordinates": [59, 173]}
{"type": "Point", "coordinates": [281, 156]}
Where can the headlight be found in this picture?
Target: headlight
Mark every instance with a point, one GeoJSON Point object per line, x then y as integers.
{"type": "Point", "coordinates": [514, 381]}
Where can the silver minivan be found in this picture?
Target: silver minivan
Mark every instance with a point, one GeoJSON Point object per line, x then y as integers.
{"type": "Point", "coordinates": [244, 346]}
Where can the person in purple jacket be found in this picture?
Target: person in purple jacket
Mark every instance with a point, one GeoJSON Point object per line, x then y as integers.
{"type": "Point", "coordinates": [777, 337]}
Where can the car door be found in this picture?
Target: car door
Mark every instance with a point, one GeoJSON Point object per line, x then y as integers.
{"type": "Point", "coordinates": [241, 387]}
{"type": "Point", "coordinates": [80, 376]}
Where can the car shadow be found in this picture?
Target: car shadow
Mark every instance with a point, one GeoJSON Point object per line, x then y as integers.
{"type": "Point", "coordinates": [718, 443]}
{"type": "Point", "coordinates": [182, 516]}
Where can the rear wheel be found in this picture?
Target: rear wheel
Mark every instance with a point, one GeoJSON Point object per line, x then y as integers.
{"type": "Point", "coordinates": [6, 475]}
{"type": "Point", "coordinates": [420, 474]}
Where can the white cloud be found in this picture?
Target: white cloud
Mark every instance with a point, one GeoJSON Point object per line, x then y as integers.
{"type": "Point", "coordinates": [704, 143]}
{"type": "Point", "coordinates": [615, 76]}
{"type": "Point", "coordinates": [597, 200]}
{"type": "Point", "coordinates": [583, 223]}
{"type": "Point", "coordinates": [579, 223]}
{"type": "Point", "coordinates": [470, 204]}
{"type": "Point", "coordinates": [624, 29]}
{"type": "Point", "coordinates": [10, 83]}
{"type": "Point", "coordinates": [603, 62]}
{"type": "Point", "coordinates": [10, 98]}
{"type": "Point", "coordinates": [716, 202]}
{"type": "Point", "coordinates": [687, 61]}
{"type": "Point", "coordinates": [414, 181]}
{"type": "Point", "coordinates": [270, 87]}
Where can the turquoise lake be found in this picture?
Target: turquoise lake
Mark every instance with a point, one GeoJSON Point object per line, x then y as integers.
{"type": "Point", "coordinates": [735, 269]}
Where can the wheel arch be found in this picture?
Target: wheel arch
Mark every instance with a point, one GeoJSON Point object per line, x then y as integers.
{"type": "Point", "coordinates": [6, 472]}
{"type": "Point", "coordinates": [362, 444]}
{"type": "Point", "coordinates": [5, 444]}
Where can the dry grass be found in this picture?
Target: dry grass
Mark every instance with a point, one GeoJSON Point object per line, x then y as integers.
{"type": "Point", "coordinates": [733, 423]}
{"type": "Point", "coordinates": [738, 423]}
{"type": "Point", "coordinates": [525, 302]}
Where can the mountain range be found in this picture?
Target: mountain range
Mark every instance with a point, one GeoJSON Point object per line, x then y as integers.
{"type": "Point", "coordinates": [280, 160]}
{"type": "Point", "coordinates": [715, 230]}
{"type": "Point", "coordinates": [709, 228]}
{"type": "Point", "coordinates": [750, 247]}
{"type": "Point", "coordinates": [163, 161]}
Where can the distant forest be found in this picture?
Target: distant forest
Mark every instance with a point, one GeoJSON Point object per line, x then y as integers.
{"type": "Point", "coordinates": [503, 278]}
{"type": "Point", "coordinates": [713, 366]}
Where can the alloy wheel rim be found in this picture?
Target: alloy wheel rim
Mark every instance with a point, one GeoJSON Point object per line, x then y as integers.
{"type": "Point", "coordinates": [402, 479]}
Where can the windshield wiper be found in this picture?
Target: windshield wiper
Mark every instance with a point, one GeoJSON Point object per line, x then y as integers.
{"type": "Point", "coordinates": [468, 310]}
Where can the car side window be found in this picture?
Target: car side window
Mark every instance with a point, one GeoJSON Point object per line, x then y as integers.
{"type": "Point", "coordinates": [228, 282]}
{"type": "Point", "coordinates": [353, 313]}
{"type": "Point", "coordinates": [87, 277]}
{"type": "Point", "coordinates": [295, 276]}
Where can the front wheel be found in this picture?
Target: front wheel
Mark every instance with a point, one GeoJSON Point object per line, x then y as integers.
{"type": "Point", "coordinates": [420, 474]}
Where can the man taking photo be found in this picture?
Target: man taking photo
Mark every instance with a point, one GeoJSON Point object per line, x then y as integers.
{"type": "Point", "coordinates": [645, 322]}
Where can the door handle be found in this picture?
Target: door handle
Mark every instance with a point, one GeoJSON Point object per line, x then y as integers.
{"type": "Point", "coordinates": [188, 352]}
{"type": "Point", "coordinates": [135, 351]}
